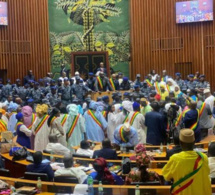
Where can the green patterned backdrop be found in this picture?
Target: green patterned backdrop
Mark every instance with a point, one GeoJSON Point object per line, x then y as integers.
{"type": "Point", "coordinates": [89, 25]}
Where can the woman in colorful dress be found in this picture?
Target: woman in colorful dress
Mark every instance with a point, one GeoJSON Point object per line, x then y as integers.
{"type": "Point", "coordinates": [140, 174]}
{"type": "Point", "coordinates": [75, 132]}
{"type": "Point", "coordinates": [23, 133]}
{"type": "Point", "coordinates": [29, 119]}
{"type": "Point", "coordinates": [40, 128]}
{"type": "Point", "coordinates": [3, 123]}
{"type": "Point", "coordinates": [56, 128]}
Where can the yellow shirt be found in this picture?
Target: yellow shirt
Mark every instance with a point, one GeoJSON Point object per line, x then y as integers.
{"type": "Point", "coordinates": [182, 164]}
{"type": "Point", "coordinates": [164, 95]}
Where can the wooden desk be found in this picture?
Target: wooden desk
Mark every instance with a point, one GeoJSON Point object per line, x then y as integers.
{"type": "Point", "coordinates": [155, 155]}
{"type": "Point", "coordinates": [97, 147]}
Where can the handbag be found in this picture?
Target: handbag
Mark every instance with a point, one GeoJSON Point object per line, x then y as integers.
{"type": "Point", "coordinates": [13, 149]}
{"type": "Point", "coordinates": [5, 147]}
{"type": "Point", "coordinates": [126, 166]}
{"type": "Point", "coordinates": [20, 154]}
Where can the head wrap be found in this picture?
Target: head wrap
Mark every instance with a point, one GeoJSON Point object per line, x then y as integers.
{"type": "Point", "coordinates": [126, 127]}
{"type": "Point", "coordinates": [127, 105]}
{"type": "Point", "coordinates": [72, 109]}
{"type": "Point", "coordinates": [12, 107]}
{"type": "Point", "coordinates": [27, 113]}
{"type": "Point", "coordinates": [2, 111]}
{"type": "Point", "coordinates": [142, 159]}
{"type": "Point", "coordinates": [106, 173]}
{"type": "Point", "coordinates": [117, 107]}
{"type": "Point", "coordinates": [44, 108]}
{"type": "Point", "coordinates": [139, 148]}
{"type": "Point", "coordinates": [136, 106]}
{"type": "Point", "coordinates": [19, 116]}
{"type": "Point", "coordinates": [93, 105]}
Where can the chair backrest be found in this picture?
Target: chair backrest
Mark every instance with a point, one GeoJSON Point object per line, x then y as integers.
{"type": "Point", "coordinates": [4, 172]}
{"type": "Point", "coordinates": [213, 180]}
{"type": "Point", "coordinates": [46, 151]}
{"type": "Point", "coordinates": [148, 183]}
{"type": "Point", "coordinates": [66, 179]}
{"type": "Point", "coordinates": [80, 156]}
{"type": "Point", "coordinates": [34, 176]}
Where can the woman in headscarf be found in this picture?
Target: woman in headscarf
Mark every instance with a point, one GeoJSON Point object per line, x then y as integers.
{"type": "Point", "coordinates": [29, 119]}
{"type": "Point", "coordinates": [56, 127]}
{"type": "Point", "coordinates": [12, 110]}
{"type": "Point", "coordinates": [170, 86]}
{"type": "Point", "coordinates": [3, 123]}
{"type": "Point", "coordinates": [103, 174]}
{"type": "Point", "coordinates": [75, 129]}
{"type": "Point", "coordinates": [23, 133]}
{"type": "Point", "coordinates": [95, 122]}
{"type": "Point", "coordinates": [139, 149]}
{"type": "Point", "coordinates": [40, 128]}
{"type": "Point", "coordinates": [140, 174]}
{"type": "Point", "coordinates": [164, 93]}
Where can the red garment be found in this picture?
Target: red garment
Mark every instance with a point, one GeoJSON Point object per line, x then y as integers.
{"type": "Point", "coordinates": [107, 174]}
{"type": "Point", "coordinates": [158, 97]}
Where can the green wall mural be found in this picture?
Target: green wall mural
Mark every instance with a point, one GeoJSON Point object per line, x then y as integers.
{"type": "Point", "coordinates": [89, 25]}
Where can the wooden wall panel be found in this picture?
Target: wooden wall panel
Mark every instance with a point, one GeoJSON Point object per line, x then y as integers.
{"type": "Point", "coordinates": [26, 39]}
{"type": "Point", "coordinates": [156, 20]}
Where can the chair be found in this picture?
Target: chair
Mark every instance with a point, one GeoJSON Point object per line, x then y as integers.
{"type": "Point", "coordinates": [46, 152]}
{"type": "Point", "coordinates": [81, 162]}
{"type": "Point", "coordinates": [34, 176]}
{"type": "Point", "coordinates": [5, 172]}
{"type": "Point", "coordinates": [80, 156]}
{"type": "Point", "coordinates": [64, 179]}
{"type": "Point", "coordinates": [213, 180]}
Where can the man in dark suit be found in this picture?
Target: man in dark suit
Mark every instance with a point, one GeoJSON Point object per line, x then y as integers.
{"type": "Point", "coordinates": [102, 83]}
{"type": "Point", "coordinates": [176, 149]}
{"type": "Point", "coordinates": [39, 167]}
{"type": "Point", "coordinates": [106, 152]}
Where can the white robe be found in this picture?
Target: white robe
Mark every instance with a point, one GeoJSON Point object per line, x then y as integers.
{"type": "Point", "coordinates": [112, 119]}
{"type": "Point", "coordinates": [57, 128]}
{"type": "Point", "coordinates": [139, 125]}
{"type": "Point", "coordinates": [42, 137]}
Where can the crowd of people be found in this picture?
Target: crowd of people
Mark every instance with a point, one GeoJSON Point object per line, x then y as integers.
{"type": "Point", "coordinates": [58, 115]}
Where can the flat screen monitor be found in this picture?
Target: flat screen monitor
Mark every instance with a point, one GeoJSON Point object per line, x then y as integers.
{"type": "Point", "coordinates": [3, 13]}
{"type": "Point", "coordinates": [194, 11]}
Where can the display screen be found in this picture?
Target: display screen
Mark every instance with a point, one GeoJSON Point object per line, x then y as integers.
{"type": "Point", "coordinates": [3, 13]}
{"type": "Point", "coordinates": [194, 11]}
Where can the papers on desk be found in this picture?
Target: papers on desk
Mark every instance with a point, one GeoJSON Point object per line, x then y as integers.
{"type": "Point", "coordinates": [55, 166]}
{"type": "Point", "coordinates": [85, 169]}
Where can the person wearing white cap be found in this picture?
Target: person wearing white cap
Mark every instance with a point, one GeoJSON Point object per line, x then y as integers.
{"type": "Point", "coordinates": [188, 169]}
{"type": "Point", "coordinates": [209, 99]}
{"type": "Point", "coordinates": [125, 135]}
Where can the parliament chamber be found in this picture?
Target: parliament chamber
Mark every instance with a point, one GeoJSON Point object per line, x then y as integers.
{"type": "Point", "coordinates": [107, 97]}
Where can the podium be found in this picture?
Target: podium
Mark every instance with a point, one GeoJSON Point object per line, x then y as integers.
{"type": "Point", "coordinates": [85, 62]}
